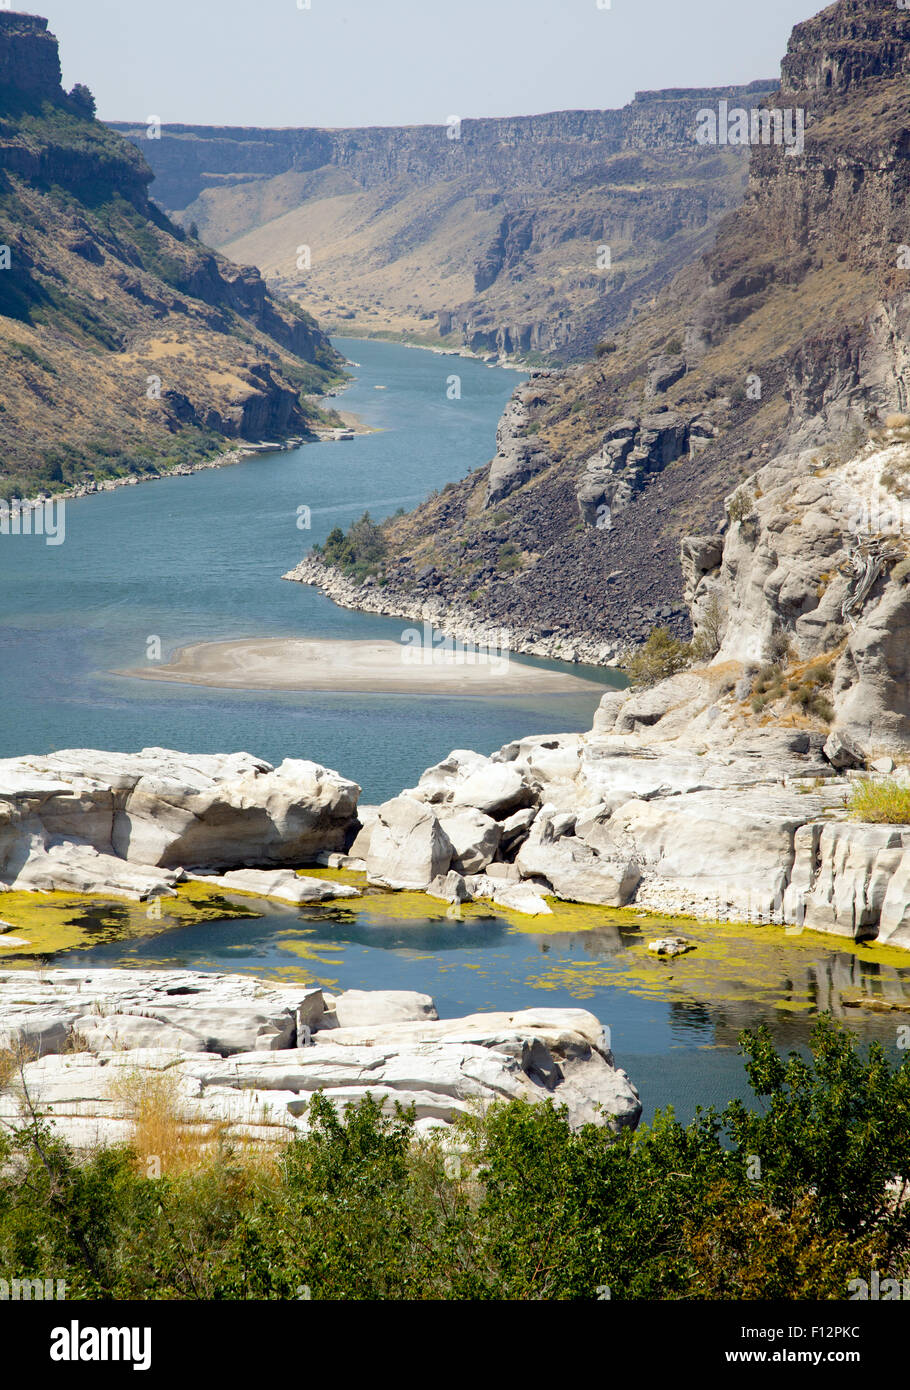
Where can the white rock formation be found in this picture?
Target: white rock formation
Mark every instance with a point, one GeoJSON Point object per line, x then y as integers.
{"type": "Point", "coordinates": [248, 1057]}
{"type": "Point", "coordinates": [408, 846]}
{"type": "Point", "coordinates": [124, 823]}
{"type": "Point", "coordinates": [282, 884]}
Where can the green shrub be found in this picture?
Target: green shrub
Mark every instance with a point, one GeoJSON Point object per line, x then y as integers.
{"type": "Point", "coordinates": [881, 803]}
{"type": "Point", "coordinates": [661, 655]}
{"type": "Point", "coordinates": [509, 558]}
{"type": "Point", "coordinates": [788, 1200]}
{"type": "Point", "coordinates": [357, 553]}
{"type": "Point", "coordinates": [741, 505]}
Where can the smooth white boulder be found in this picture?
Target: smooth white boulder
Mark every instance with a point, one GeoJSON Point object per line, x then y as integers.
{"type": "Point", "coordinates": [164, 809]}
{"type": "Point", "coordinates": [575, 871]}
{"type": "Point", "coordinates": [474, 837]}
{"type": "Point", "coordinates": [524, 897]}
{"type": "Point", "coordinates": [358, 1007]}
{"type": "Point", "coordinates": [68, 867]}
{"type": "Point", "coordinates": [408, 846]}
{"type": "Point", "coordinates": [496, 789]}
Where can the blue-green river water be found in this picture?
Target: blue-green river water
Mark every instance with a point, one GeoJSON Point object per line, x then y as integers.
{"type": "Point", "coordinates": [200, 559]}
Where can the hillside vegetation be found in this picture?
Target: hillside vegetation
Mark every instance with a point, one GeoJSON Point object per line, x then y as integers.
{"type": "Point", "coordinates": [125, 344]}
{"type": "Point", "coordinates": [793, 1201]}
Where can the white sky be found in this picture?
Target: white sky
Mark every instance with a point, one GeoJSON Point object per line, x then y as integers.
{"type": "Point", "coordinates": [399, 62]}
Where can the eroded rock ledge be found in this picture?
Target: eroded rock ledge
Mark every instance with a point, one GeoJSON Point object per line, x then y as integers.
{"type": "Point", "coordinates": [246, 1055]}
{"type": "Point", "coordinates": [671, 802]}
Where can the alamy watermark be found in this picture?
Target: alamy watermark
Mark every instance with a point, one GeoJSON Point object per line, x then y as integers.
{"type": "Point", "coordinates": [876, 1289]}
{"type": "Point", "coordinates": [760, 125]}
{"type": "Point", "coordinates": [47, 519]}
{"type": "Point", "coordinates": [32, 1290]}
{"type": "Point", "coordinates": [431, 647]}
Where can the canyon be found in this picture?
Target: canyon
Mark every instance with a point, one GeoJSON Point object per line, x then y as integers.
{"type": "Point", "coordinates": [531, 236]}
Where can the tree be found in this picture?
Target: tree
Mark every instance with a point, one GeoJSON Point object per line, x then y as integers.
{"type": "Point", "coordinates": [82, 98]}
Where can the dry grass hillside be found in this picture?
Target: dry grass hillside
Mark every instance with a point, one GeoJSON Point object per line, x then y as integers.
{"type": "Point", "coordinates": [126, 346]}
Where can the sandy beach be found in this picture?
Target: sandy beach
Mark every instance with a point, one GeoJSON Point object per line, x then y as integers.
{"type": "Point", "coordinates": [381, 667]}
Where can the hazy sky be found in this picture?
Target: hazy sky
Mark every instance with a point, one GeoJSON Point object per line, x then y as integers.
{"type": "Point", "coordinates": [396, 62]}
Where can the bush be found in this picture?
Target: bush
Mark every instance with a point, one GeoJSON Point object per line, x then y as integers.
{"type": "Point", "coordinates": [777, 648]}
{"type": "Point", "coordinates": [789, 1200]}
{"type": "Point", "coordinates": [741, 505]}
{"type": "Point", "coordinates": [661, 656]}
{"type": "Point", "coordinates": [359, 553]}
{"type": "Point", "coordinates": [82, 100]}
{"type": "Point", "coordinates": [880, 803]}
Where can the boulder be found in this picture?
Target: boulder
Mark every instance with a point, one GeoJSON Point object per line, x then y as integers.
{"type": "Point", "coordinates": [450, 889]}
{"type": "Point", "coordinates": [360, 845]}
{"type": "Point", "coordinates": [575, 871]}
{"type": "Point", "coordinates": [437, 783]}
{"type": "Point", "coordinates": [82, 816]}
{"type": "Point", "coordinates": [671, 946]}
{"type": "Point", "coordinates": [474, 837]}
{"type": "Point", "coordinates": [609, 709]}
{"type": "Point", "coordinates": [282, 884]}
{"type": "Point", "coordinates": [497, 789]}
{"type": "Point", "coordinates": [524, 897]}
{"type": "Point", "coordinates": [408, 846]}
{"type": "Point", "coordinates": [71, 867]}
{"type": "Point", "coordinates": [358, 1008]}
{"type": "Point", "coordinates": [843, 751]}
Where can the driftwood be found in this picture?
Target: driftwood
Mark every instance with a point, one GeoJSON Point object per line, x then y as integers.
{"type": "Point", "coordinates": [867, 558]}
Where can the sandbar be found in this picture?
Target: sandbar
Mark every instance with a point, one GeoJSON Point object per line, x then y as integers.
{"type": "Point", "coordinates": [380, 667]}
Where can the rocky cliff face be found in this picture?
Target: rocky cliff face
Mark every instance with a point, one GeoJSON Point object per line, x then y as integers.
{"type": "Point", "coordinates": [29, 61]}
{"type": "Point", "coordinates": [486, 233]}
{"type": "Point", "coordinates": [107, 308]}
{"type": "Point", "coordinates": [785, 343]}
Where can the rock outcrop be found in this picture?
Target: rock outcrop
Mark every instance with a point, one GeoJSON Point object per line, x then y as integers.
{"type": "Point", "coordinates": [131, 824]}
{"type": "Point", "coordinates": [242, 1057]}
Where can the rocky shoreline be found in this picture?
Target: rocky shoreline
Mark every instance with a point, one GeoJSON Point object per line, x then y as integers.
{"type": "Point", "coordinates": [455, 620]}
{"type": "Point", "coordinates": [183, 470]}
{"type": "Point", "coordinates": [669, 803]}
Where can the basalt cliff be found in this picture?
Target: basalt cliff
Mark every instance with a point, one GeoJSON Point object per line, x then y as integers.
{"type": "Point", "coordinates": [736, 463]}
{"type": "Point", "coordinates": [490, 234]}
{"type": "Point", "coordinates": [107, 308]}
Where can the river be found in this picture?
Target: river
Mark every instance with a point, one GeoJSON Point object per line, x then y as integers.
{"type": "Point", "coordinates": [199, 559]}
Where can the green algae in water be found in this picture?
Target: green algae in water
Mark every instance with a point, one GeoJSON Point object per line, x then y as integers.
{"type": "Point", "coordinates": [735, 964]}
{"type": "Point", "coordinates": [47, 923]}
